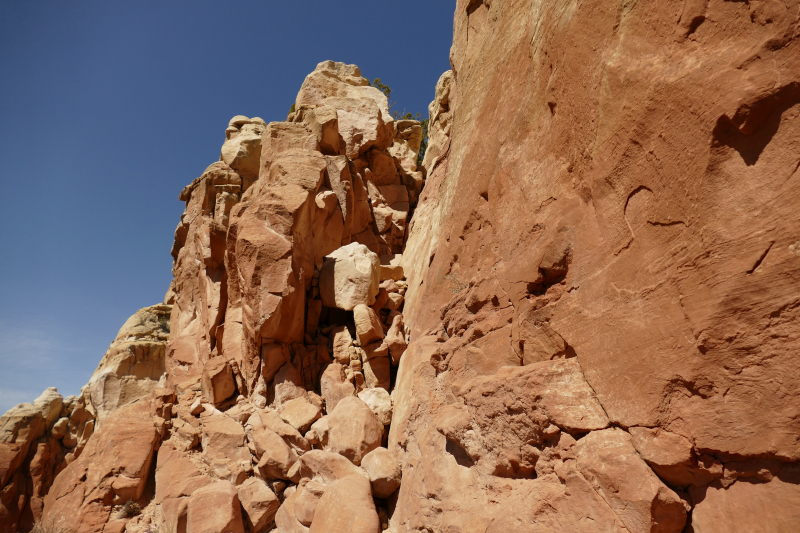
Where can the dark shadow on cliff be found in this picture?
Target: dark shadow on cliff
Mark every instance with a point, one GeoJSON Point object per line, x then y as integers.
{"type": "Point", "coordinates": [757, 123]}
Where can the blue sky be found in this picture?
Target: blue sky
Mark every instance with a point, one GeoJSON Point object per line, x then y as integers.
{"type": "Point", "coordinates": [109, 108]}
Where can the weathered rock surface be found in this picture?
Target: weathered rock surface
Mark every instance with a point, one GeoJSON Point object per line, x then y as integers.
{"type": "Point", "coordinates": [113, 469]}
{"type": "Point", "coordinates": [259, 503]}
{"type": "Point", "coordinates": [589, 325]}
{"type": "Point", "coordinates": [215, 508]}
{"type": "Point", "coordinates": [572, 212]}
{"type": "Point", "coordinates": [346, 506]}
{"type": "Point", "coordinates": [354, 430]}
{"type": "Point", "coordinates": [384, 472]}
{"type": "Point", "coordinates": [350, 277]}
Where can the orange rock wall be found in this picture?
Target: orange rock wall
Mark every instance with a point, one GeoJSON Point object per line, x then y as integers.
{"type": "Point", "coordinates": [618, 187]}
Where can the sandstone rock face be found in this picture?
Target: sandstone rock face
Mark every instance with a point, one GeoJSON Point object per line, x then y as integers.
{"type": "Point", "coordinates": [589, 325]}
{"type": "Point", "coordinates": [280, 240]}
{"type": "Point", "coordinates": [39, 440]}
{"type": "Point", "coordinates": [112, 470]}
{"type": "Point", "coordinates": [573, 214]}
{"type": "Point", "coordinates": [134, 363]}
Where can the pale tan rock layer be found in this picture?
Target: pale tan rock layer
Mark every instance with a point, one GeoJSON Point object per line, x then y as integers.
{"type": "Point", "coordinates": [588, 326]}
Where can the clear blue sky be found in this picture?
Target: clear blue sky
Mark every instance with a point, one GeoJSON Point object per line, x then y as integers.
{"type": "Point", "coordinates": [109, 108]}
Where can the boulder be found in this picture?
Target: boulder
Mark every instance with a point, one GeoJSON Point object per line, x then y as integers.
{"type": "Point", "coordinates": [350, 276]}
{"type": "Point", "coordinates": [305, 504]}
{"type": "Point", "coordinates": [392, 265]}
{"type": "Point", "coordinates": [380, 402]}
{"type": "Point", "coordinates": [288, 385]}
{"type": "Point", "coordinates": [377, 372]}
{"type": "Point", "coordinates": [215, 508]}
{"type": "Point", "coordinates": [260, 504]}
{"type": "Point", "coordinates": [272, 421]}
{"type": "Point", "coordinates": [326, 467]}
{"type": "Point", "coordinates": [671, 456]}
{"type": "Point", "coordinates": [354, 430]}
{"type": "Point", "coordinates": [285, 519]}
{"type": "Point", "coordinates": [300, 413]}
{"type": "Point", "coordinates": [276, 458]}
{"type": "Point", "coordinates": [384, 472]}
{"type": "Point", "coordinates": [608, 460]}
{"type": "Point", "coordinates": [217, 381]}
{"type": "Point", "coordinates": [224, 449]}
{"type": "Point", "coordinates": [242, 150]}
{"type": "Point", "coordinates": [342, 341]}
{"type": "Point", "coordinates": [49, 404]}
{"type": "Point", "coordinates": [396, 339]}
{"type": "Point", "coordinates": [320, 429]}
{"type": "Point", "coordinates": [334, 385]}
{"type": "Point", "coordinates": [368, 325]}
{"type": "Point", "coordinates": [346, 507]}
{"type": "Point", "coordinates": [406, 145]}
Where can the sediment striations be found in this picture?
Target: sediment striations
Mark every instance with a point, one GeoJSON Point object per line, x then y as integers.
{"type": "Point", "coordinates": [586, 321]}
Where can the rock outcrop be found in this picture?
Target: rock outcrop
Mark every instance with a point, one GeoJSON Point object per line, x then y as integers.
{"type": "Point", "coordinates": [46, 449]}
{"type": "Point", "coordinates": [235, 403]}
{"type": "Point", "coordinates": [608, 218]}
{"type": "Point", "coordinates": [585, 321]}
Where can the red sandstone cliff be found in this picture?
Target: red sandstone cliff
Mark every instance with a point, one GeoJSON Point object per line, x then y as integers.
{"type": "Point", "coordinates": [586, 321]}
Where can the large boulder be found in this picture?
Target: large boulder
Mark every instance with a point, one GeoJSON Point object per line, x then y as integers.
{"type": "Point", "coordinates": [217, 381]}
{"type": "Point", "coordinates": [215, 508]}
{"type": "Point", "coordinates": [275, 457]}
{"type": "Point", "coordinates": [259, 503]}
{"type": "Point", "coordinates": [242, 147]}
{"type": "Point", "coordinates": [368, 325]}
{"type": "Point", "coordinates": [346, 507]}
{"type": "Point", "coordinates": [334, 386]}
{"type": "Point", "coordinates": [327, 467]}
{"type": "Point", "coordinates": [305, 505]}
{"type": "Point", "coordinates": [384, 472]}
{"type": "Point", "coordinates": [300, 413]}
{"type": "Point", "coordinates": [379, 402]}
{"type": "Point", "coordinates": [350, 276]}
{"type": "Point", "coordinates": [354, 430]}
{"type": "Point", "coordinates": [223, 440]}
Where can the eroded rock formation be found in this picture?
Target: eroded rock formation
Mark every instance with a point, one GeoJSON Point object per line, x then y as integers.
{"type": "Point", "coordinates": [586, 321]}
{"type": "Point", "coordinates": [610, 210]}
